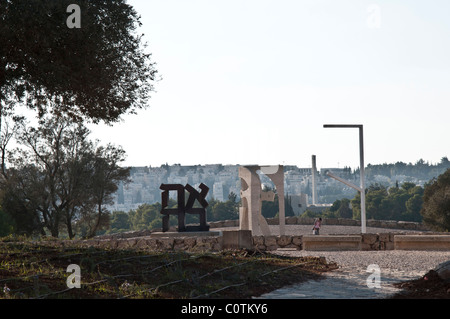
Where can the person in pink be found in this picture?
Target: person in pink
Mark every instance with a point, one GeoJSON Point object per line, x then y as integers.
{"type": "Point", "coordinates": [317, 224]}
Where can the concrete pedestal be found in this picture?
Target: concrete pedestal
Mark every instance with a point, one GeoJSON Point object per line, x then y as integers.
{"type": "Point", "coordinates": [422, 242]}
{"type": "Point", "coordinates": [331, 242]}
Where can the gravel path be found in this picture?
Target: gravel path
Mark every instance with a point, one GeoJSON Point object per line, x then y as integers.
{"type": "Point", "coordinates": [350, 280]}
{"type": "Point", "coordinates": [414, 263]}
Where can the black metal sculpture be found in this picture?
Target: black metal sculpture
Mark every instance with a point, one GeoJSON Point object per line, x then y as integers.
{"type": "Point", "coordinates": [184, 207]}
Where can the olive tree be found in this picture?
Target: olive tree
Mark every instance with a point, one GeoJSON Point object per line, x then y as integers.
{"type": "Point", "coordinates": [59, 178]}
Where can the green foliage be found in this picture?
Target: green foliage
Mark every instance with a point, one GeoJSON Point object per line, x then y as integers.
{"type": "Point", "coordinates": [310, 214]}
{"type": "Point", "coordinates": [270, 209]}
{"type": "Point", "coordinates": [147, 216]}
{"type": "Point", "coordinates": [223, 211]}
{"type": "Point", "coordinates": [436, 203]}
{"type": "Point", "coordinates": [60, 179]}
{"type": "Point", "coordinates": [395, 203]}
{"type": "Point", "coordinates": [340, 209]}
{"type": "Point", "coordinates": [119, 222]}
{"type": "Point", "coordinates": [97, 72]}
{"type": "Point", "coordinates": [6, 224]}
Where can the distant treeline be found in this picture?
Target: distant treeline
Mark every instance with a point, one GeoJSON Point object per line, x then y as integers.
{"type": "Point", "coordinates": [421, 169]}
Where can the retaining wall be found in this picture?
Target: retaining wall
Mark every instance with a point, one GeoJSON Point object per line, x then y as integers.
{"type": "Point", "coordinates": [379, 241]}
{"type": "Point", "coordinates": [389, 224]}
{"type": "Point", "coordinates": [142, 240]}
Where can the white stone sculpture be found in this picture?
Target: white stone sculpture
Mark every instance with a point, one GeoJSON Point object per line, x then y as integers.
{"type": "Point", "coordinates": [250, 217]}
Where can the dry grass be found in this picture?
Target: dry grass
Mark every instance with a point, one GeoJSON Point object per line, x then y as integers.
{"type": "Point", "coordinates": [37, 270]}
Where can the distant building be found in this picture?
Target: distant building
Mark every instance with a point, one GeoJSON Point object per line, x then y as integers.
{"type": "Point", "coordinates": [224, 179]}
{"type": "Point", "coordinates": [299, 203]}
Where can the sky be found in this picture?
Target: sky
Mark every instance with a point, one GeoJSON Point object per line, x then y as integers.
{"type": "Point", "coordinates": [254, 81]}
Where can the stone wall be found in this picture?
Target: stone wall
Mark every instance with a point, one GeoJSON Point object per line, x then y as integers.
{"type": "Point", "coordinates": [141, 240]}
{"type": "Point", "coordinates": [146, 243]}
{"type": "Point", "coordinates": [379, 241]}
{"type": "Point", "coordinates": [294, 220]}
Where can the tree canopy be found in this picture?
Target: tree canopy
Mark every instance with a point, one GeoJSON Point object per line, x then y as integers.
{"type": "Point", "coordinates": [96, 72]}
{"type": "Point", "coordinates": [436, 203]}
{"type": "Point", "coordinates": [394, 203]}
{"type": "Point", "coordinates": [58, 177]}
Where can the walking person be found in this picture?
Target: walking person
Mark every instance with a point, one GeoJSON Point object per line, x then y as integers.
{"type": "Point", "coordinates": [317, 224]}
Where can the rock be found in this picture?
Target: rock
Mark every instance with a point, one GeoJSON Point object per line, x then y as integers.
{"type": "Point", "coordinates": [152, 244]}
{"type": "Point", "coordinates": [204, 244]}
{"type": "Point", "coordinates": [103, 244]}
{"type": "Point", "coordinates": [178, 244]}
{"type": "Point", "coordinates": [142, 244]}
{"type": "Point", "coordinates": [166, 243]}
{"type": "Point", "coordinates": [297, 241]}
{"type": "Point", "coordinates": [270, 243]}
{"type": "Point", "coordinates": [443, 270]}
{"type": "Point", "coordinates": [122, 244]}
{"type": "Point", "coordinates": [113, 244]}
{"type": "Point", "coordinates": [258, 240]}
{"type": "Point", "coordinates": [384, 237]}
{"type": "Point", "coordinates": [190, 242]}
{"type": "Point", "coordinates": [369, 238]}
{"type": "Point", "coordinates": [283, 240]}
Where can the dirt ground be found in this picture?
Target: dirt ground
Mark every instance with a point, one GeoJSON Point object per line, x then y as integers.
{"type": "Point", "coordinates": [430, 286]}
{"type": "Point", "coordinates": [34, 270]}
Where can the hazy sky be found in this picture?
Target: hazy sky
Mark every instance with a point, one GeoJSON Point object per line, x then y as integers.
{"type": "Point", "coordinates": [253, 82]}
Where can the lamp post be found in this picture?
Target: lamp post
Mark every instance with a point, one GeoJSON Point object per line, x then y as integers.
{"type": "Point", "coordinates": [361, 169]}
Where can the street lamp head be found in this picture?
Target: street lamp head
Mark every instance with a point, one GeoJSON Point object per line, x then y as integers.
{"type": "Point", "coordinates": [342, 125]}
{"type": "Point", "coordinates": [361, 159]}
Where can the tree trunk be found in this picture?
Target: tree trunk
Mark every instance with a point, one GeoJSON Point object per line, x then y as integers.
{"type": "Point", "coordinates": [54, 230]}
{"type": "Point", "coordinates": [70, 230]}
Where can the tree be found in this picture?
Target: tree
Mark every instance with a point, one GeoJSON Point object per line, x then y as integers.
{"type": "Point", "coordinates": [147, 216]}
{"type": "Point", "coordinates": [413, 206]}
{"type": "Point", "coordinates": [103, 176]}
{"type": "Point", "coordinates": [436, 203]}
{"type": "Point", "coordinates": [6, 224]}
{"type": "Point", "coordinates": [119, 222]}
{"type": "Point", "coordinates": [20, 200]}
{"type": "Point", "coordinates": [224, 210]}
{"type": "Point", "coordinates": [340, 209]}
{"type": "Point", "coordinates": [59, 177]}
{"type": "Point", "coordinates": [96, 72]}
{"type": "Point", "coordinates": [376, 204]}
{"type": "Point", "coordinates": [269, 209]}
{"type": "Point", "coordinates": [395, 203]}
